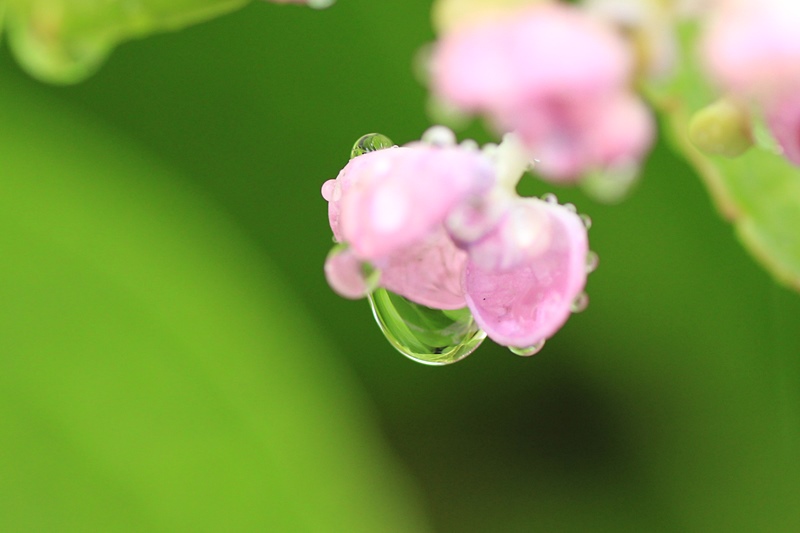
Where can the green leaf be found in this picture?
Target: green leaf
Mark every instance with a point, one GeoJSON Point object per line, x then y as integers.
{"type": "Point", "coordinates": [156, 374]}
{"type": "Point", "coordinates": [65, 41]}
{"type": "Point", "coordinates": [758, 192]}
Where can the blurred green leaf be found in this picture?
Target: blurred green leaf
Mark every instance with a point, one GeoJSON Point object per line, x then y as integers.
{"type": "Point", "coordinates": [758, 191]}
{"type": "Point", "coordinates": [155, 372]}
{"type": "Point", "coordinates": [64, 41]}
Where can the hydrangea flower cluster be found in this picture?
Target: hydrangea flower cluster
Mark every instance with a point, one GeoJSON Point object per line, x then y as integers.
{"type": "Point", "coordinates": [442, 226]}
{"type": "Point", "coordinates": [752, 51]}
{"type": "Point", "coordinates": [557, 77]}
{"type": "Point", "coordinates": [436, 225]}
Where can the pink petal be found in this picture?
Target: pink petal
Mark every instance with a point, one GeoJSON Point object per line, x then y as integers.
{"type": "Point", "coordinates": [623, 132]}
{"type": "Point", "coordinates": [529, 302]}
{"type": "Point", "coordinates": [345, 274]}
{"type": "Point", "coordinates": [753, 46]}
{"type": "Point", "coordinates": [429, 272]}
{"type": "Point", "coordinates": [568, 139]}
{"type": "Point", "coordinates": [394, 198]}
{"type": "Point", "coordinates": [523, 233]}
{"type": "Point", "coordinates": [535, 53]}
{"type": "Point", "coordinates": [783, 118]}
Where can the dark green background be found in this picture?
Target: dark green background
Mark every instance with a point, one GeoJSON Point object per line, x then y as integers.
{"type": "Point", "coordinates": [168, 209]}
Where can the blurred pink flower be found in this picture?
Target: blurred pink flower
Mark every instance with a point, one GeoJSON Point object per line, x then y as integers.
{"type": "Point", "coordinates": [555, 76]}
{"type": "Point", "coordinates": [752, 50]}
{"type": "Point", "coordinates": [752, 47]}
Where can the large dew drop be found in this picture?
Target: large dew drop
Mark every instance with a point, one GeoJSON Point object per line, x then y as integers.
{"type": "Point", "coordinates": [428, 336]}
{"type": "Point", "coordinates": [371, 142]}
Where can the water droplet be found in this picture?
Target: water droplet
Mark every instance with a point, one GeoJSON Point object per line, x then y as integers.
{"type": "Point", "coordinates": [371, 142]}
{"type": "Point", "coordinates": [428, 336]}
{"type": "Point", "coordinates": [439, 136]}
{"type": "Point", "coordinates": [320, 4]}
{"type": "Point", "coordinates": [348, 275]}
{"type": "Point", "coordinates": [592, 259]}
{"type": "Point", "coordinates": [579, 303]}
{"type": "Point", "coordinates": [331, 191]}
{"type": "Point", "coordinates": [550, 198]}
{"type": "Point", "coordinates": [613, 184]}
{"type": "Point", "coordinates": [470, 145]}
{"type": "Point", "coordinates": [587, 221]}
{"type": "Point", "coordinates": [490, 150]}
{"type": "Point", "coordinates": [529, 351]}
{"type": "Point", "coordinates": [571, 208]}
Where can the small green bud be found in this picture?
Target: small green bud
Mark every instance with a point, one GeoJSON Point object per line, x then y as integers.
{"type": "Point", "coordinates": [722, 128]}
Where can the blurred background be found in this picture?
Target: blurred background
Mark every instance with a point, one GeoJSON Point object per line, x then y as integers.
{"type": "Point", "coordinates": [171, 358]}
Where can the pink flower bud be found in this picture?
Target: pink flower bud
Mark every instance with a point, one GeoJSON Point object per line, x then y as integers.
{"type": "Point", "coordinates": [524, 294]}
{"type": "Point", "coordinates": [389, 207]}
{"type": "Point", "coordinates": [752, 47]}
{"type": "Point", "coordinates": [556, 77]}
{"type": "Point", "coordinates": [391, 199]}
{"type": "Point", "coordinates": [531, 55]}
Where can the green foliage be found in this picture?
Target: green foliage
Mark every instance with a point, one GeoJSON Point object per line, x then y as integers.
{"type": "Point", "coordinates": [669, 405]}
{"type": "Point", "coordinates": [65, 41]}
{"type": "Point", "coordinates": [758, 191]}
{"type": "Point", "coordinates": [155, 373]}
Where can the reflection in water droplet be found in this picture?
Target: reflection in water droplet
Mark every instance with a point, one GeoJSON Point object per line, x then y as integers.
{"type": "Point", "coordinates": [320, 4]}
{"type": "Point", "coordinates": [470, 145]}
{"type": "Point", "coordinates": [529, 351]}
{"type": "Point", "coordinates": [550, 198]}
{"type": "Point", "coordinates": [580, 303]}
{"type": "Point", "coordinates": [439, 136]}
{"type": "Point", "coordinates": [428, 336]}
{"type": "Point", "coordinates": [587, 221]}
{"type": "Point", "coordinates": [371, 142]}
{"type": "Point", "coordinates": [591, 261]}
{"type": "Point", "coordinates": [613, 184]}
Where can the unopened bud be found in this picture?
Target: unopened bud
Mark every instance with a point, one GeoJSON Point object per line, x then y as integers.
{"type": "Point", "coordinates": [723, 128]}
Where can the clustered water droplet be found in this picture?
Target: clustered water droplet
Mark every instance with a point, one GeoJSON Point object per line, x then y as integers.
{"type": "Point", "coordinates": [370, 142]}
{"type": "Point", "coordinates": [529, 351]}
{"type": "Point", "coordinates": [580, 303]}
{"type": "Point", "coordinates": [592, 259]}
{"type": "Point", "coordinates": [424, 334]}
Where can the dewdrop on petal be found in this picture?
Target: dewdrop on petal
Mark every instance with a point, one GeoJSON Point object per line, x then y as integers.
{"type": "Point", "coordinates": [523, 305]}
{"type": "Point", "coordinates": [388, 205]}
{"type": "Point", "coordinates": [436, 237]}
{"type": "Point", "coordinates": [348, 275]}
{"type": "Point", "coordinates": [401, 194]}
